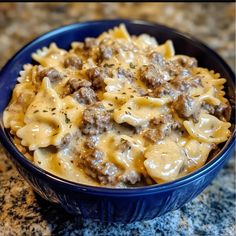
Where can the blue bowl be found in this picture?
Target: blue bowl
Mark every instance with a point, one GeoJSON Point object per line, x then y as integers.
{"type": "Point", "coordinates": [106, 204]}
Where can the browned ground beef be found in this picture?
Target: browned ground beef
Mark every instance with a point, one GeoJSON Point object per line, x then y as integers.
{"type": "Point", "coordinates": [93, 164]}
{"type": "Point", "coordinates": [156, 58]}
{"type": "Point", "coordinates": [186, 107]}
{"type": "Point", "coordinates": [184, 84]}
{"type": "Point", "coordinates": [76, 84]}
{"type": "Point", "coordinates": [105, 52]}
{"type": "Point", "coordinates": [124, 73]}
{"type": "Point", "coordinates": [164, 90]}
{"type": "Point", "coordinates": [222, 111]}
{"type": "Point", "coordinates": [97, 76]}
{"type": "Point", "coordinates": [73, 62]}
{"type": "Point", "coordinates": [65, 141]}
{"type": "Point", "coordinates": [187, 62]}
{"type": "Point", "coordinates": [51, 73]}
{"type": "Point", "coordinates": [85, 95]}
{"type": "Point", "coordinates": [159, 128]}
{"type": "Point", "coordinates": [95, 119]}
{"type": "Point", "coordinates": [152, 76]}
{"type": "Point", "coordinates": [91, 142]}
{"type": "Point", "coordinates": [208, 107]}
{"type": "Point", "coordinates": [131, 177]}
{"type": "Point", "coordinates": [105, 172]}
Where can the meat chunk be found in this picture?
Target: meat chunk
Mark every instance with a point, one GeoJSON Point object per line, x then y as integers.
{"type": "Point", "coordinates": [65, 141]}
{"type": "Point", "coordinates": [222, 111]}
{"type": "Point", "coordinates": [186, 62]}
{"type": "Point", "coordinates": [93, 164]}
{"type": "Point", "coordinates": [152, 76]}
{"type": "Point", "coordinates": [91, 142]}
{"type": "Point", "coordinates": [161, 127]}
{"type": "Point", "coordinates": [181, 85]}
{"type": "Point", "coordinates": [73, 62]}
{"type": "Point", "coordinates": [208, 107]}
{"type": "Point", "coordinates": [108, 174]}
{"type": "Point", "coordinates": [85, 95]}
{"type": "Point", "coordinates": [165, 89]}
{"type": "Point", "coordinates": [173, 68]}
{"type": "Point", "coordinates": [156, 58]}
{"type": "Point", "coordinates": [184, 84]}
{"type": "Point", "coordinates": [51, 73]}
{"type": "Point", "coordinates": [105, 52]}
{"type": "Point", "coordinates": [97, 76]}
{"type": "Point", "coordinates": [95, 120]}
{"type": "Point", "coordinates": [123, 73]}
{"type": "Point", "coordinates": [187, 107]}
{"type": "Point", "coordinates": [76, 84]}
{"type": "Point", "coordinates": [131, 177]}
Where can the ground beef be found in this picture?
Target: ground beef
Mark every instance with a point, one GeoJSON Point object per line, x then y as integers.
{"type": "Point", "coordinates": [165, 89]}
{"type": "Point", "coordinates": [73, 62]}
{"type": "Point", "coordinates": [91, 142]}
{"type": "Point", "coordinates": [176, 86]}
{"type": "Point", "coordinates": [95, 119]}
{"type": "Point", "coordinates": [222, 111]}
{"type": "Point", "coordinates": [97, 76]}
{"type": "Point", "coordinates": [184, 73]}
{"type": "Point", "coordinates": [156, 58]}
{"type": "Point", "coordinates": [173, 68]}
{"type": "Point", "coordinates": [181, 85]}
{"type": "Point", "coordinates": [151, 75]}
{"type": "Point", "coordinates": [85, 95]}
{"type": "Point", "coordinates": [123, 73]}
{"type": "Point", "coordinates": [108, 174]}
{"type": "Point", "coordinates": [76, 84]}
{"type": "Point", "coordinates": [65, 141]}
{"type": "Point", "coordinates": [208, 107]}
{"type": "Point", "coordinates": [159, 128]}
{"type": "Point", "coordinates": [187, 107]}
{"type": "Point", "coordinates": [105, 52]}
{"type": "Point", "coordinates": [92, 161]}
{"type": "Point", "coordinates": [131, 177]}
{"type": "Point", "coordinates": [93, 164]}
{"type": "Point", "coordinates": [184, 84]}
{"type": "Point", "coordinates": [73, 85]}
{"type": "Point", "coordinates": [186, 62]}
{"type": "Point", "coordinates": [51, 73]}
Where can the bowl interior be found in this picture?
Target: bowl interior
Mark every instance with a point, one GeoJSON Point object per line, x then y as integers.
{"type": "Point", "coordinates": [78, 32]}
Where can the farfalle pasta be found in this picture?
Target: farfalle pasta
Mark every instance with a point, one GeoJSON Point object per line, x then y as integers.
{"type": "Point", "coordinates": [117, 111]}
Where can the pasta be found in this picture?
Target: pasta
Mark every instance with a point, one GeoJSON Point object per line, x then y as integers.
{"type": "Point", "coordinates": [117, 111]}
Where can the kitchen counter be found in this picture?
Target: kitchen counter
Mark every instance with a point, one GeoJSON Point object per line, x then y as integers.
{"type": "Point", "coordinates": [22, 212]}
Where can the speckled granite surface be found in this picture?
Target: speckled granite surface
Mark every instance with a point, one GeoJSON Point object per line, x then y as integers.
{"type": "Point", "coordinates": [24, 213]}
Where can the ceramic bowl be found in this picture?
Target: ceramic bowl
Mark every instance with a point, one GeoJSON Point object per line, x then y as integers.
{"type": "Point", "coordinates": [107, 204]}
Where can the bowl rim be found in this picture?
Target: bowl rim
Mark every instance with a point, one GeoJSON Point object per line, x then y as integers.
{"type": "Point", "coordinates": [143, 190]}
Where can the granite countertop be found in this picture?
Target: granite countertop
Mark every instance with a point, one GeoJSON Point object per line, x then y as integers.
{"type": "Point", "coordinates": [22, 212]}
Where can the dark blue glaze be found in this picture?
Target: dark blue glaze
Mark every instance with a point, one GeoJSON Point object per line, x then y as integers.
{"type": "Point", "coordinates": [105, 204]}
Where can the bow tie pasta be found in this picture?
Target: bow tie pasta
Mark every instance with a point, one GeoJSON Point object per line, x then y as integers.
{"type": "Point", "coordinates": [118, 111]}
